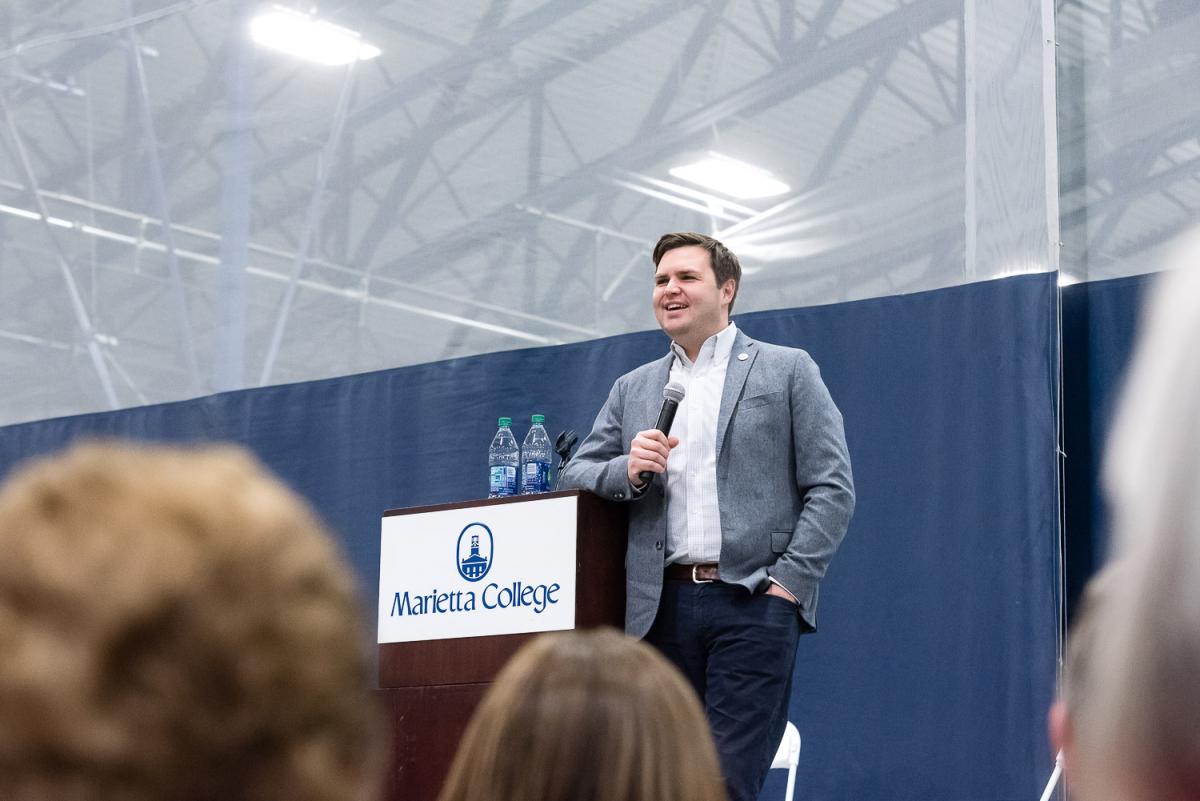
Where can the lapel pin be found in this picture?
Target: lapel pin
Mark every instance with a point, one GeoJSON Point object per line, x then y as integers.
{"type": "Point", "coordinates": [742, 357]}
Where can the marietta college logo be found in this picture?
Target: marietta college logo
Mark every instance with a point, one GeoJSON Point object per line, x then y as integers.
{"type": "Point", "coordinates": [474, 551]}
{"type": "Point", "coordinates": [473, 556]}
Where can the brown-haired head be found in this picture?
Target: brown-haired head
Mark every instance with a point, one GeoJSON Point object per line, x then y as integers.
{"type": "Point", "coordinates": [175, 625]}
{"type": "Point", "coordinates": [587, 716]}
{"type": "Point", "coordinates": [724, 263]}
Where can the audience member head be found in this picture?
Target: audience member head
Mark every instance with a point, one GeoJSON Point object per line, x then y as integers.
{"type": "Point", "coordinates": [1086, 629]}
{"type": "Point", "coordinates": [175, 625]}
{"type": "Point", "coordinates": [587, 716]}
{"type": "Point", "coordinates": [1139, 725]}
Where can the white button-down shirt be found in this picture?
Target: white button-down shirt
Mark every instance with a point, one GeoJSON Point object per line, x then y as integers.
{"type": "Point", "coordinates": [693, 514]}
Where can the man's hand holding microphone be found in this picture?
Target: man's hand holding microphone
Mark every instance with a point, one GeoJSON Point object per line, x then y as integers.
{"type": "Point", "coordinates": [650, 449]}
{"type": "Point", "coordinates": [647, 455]}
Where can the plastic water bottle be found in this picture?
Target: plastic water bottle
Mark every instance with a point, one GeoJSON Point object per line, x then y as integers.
{"type": "Point", "coordinates": [503, 459]}
{"type": "Point", "coordinates": [535, 458]}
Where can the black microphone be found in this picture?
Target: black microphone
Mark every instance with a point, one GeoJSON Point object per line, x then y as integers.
{"type": "Point", "coordinates": [672, 395]}
{"type": "Point", "coordinates": [562, 446]}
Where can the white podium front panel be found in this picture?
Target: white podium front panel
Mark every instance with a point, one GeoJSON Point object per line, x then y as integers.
{"type": "Point", "coordinates": [474, 572]}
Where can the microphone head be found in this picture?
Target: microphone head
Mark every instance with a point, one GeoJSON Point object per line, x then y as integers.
{"type": "Point", "coordinates": [673, 391]}
{"type": "Point", "coordinates": [566, 440]}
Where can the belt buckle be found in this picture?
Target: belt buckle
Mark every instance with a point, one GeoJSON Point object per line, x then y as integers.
{"type": "Point", "coordinates": [698, 580]}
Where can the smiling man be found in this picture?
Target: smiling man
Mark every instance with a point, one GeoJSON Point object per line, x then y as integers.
{"type": "Point", "coordinates": [730, 540]}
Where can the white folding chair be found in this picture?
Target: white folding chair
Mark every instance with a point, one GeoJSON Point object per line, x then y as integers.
{"type": "Point", "coordinates": [788, 756]}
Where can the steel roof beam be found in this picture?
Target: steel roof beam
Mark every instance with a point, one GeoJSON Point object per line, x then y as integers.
{"type": "Point", "coordinates": [443, 72]}
{"type": "Point", "coordinates": [143, 243]}
{"type": "Point", "coordinates": [652, 120]}
{"type": "Point", "coordinates": [312, 222]}
{"type": "Point", "coordinates": [82, 318]}
{"type": "Point", "coordinates": [465, 59]}
{"type": "Point", "coordinates": [422, 141]}
{"type": "Point", "coordinates": [840, 136]}
{"type": "Point", "coordinates": [180, 116]}
{"type": "Point", "coordinates": [158, 187]}
{"type": "Point", "coordinates": [692, 129]}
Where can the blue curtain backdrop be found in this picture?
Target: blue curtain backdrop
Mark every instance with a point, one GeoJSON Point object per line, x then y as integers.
{"type": "Point", "coordinates": [934, 666]}
{"type": "Point", "coordinates": [1099, 327]}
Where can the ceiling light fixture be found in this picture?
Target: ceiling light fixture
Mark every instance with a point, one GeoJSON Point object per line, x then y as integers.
{"type": "Point", "coordinates": [731, 177]}
{"type": "Point", "coordinates": [309, 38]}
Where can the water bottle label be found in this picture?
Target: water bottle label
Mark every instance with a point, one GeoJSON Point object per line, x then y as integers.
{"type": "Point", "coordinates": [537, 477]}
{"type": "Point", "coordinates": [503, 480]}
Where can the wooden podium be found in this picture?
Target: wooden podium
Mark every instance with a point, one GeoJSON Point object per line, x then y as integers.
{"type": "Point", "coordinates": [430, 688]}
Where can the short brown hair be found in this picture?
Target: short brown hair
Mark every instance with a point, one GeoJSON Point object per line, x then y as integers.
{"type": "Point", "coordinates": [587, 716]}
{"type": "Point", "coordinates": [175, 625]}
{"type": "Point", "coordinates": [725, 265]}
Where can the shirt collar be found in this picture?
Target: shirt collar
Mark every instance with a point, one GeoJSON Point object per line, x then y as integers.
{"type": "Point", "coordinates": [720, 345]}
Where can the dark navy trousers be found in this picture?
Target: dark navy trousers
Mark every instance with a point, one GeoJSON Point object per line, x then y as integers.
{"type": "Point", "coordinates": [738, 650]}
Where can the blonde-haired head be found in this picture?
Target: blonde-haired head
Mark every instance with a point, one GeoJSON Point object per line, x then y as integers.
{"type": "Point", "coordinates": [175, 625]}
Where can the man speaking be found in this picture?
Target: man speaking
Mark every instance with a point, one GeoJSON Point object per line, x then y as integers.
{"type": "Point", "coordinates": [746, 503]}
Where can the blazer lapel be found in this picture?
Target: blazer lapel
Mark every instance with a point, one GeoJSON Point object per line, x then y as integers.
{"type": "Point", "coordinates": [735, 379]}
{"type": "Point", "coordinates": [650, 404]}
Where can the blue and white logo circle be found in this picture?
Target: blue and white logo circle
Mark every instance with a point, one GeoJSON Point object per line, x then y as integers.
{"type": "Point", "coordinates": [474, 551]}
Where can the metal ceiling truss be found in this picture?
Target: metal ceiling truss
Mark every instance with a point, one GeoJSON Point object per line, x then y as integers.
{"type": "Point", "coordinates": [79, 311]}
{"type": "Point", "coordinates": [568, 229]}
{"type": "Point", "coordinates": [780, 86]}
{"type": "Point", "coordinates": [693, 129]}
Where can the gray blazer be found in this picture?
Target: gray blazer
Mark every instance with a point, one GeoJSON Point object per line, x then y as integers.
{"type": "Point", "coordinates": [783, 476]}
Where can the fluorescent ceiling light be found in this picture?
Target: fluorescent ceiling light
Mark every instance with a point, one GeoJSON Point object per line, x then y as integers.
{"type": "Point", "coordinates": [14, 211]}
{"type": "Point", "coordinates": [33, 215]}
{"type": "Point", "coordinates": [730, 177]}
{"type": "Point", "coordinates": [309, 38]}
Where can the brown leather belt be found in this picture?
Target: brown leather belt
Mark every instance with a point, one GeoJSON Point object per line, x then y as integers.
{"type": "Point", "coordinates": [705, 573]}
